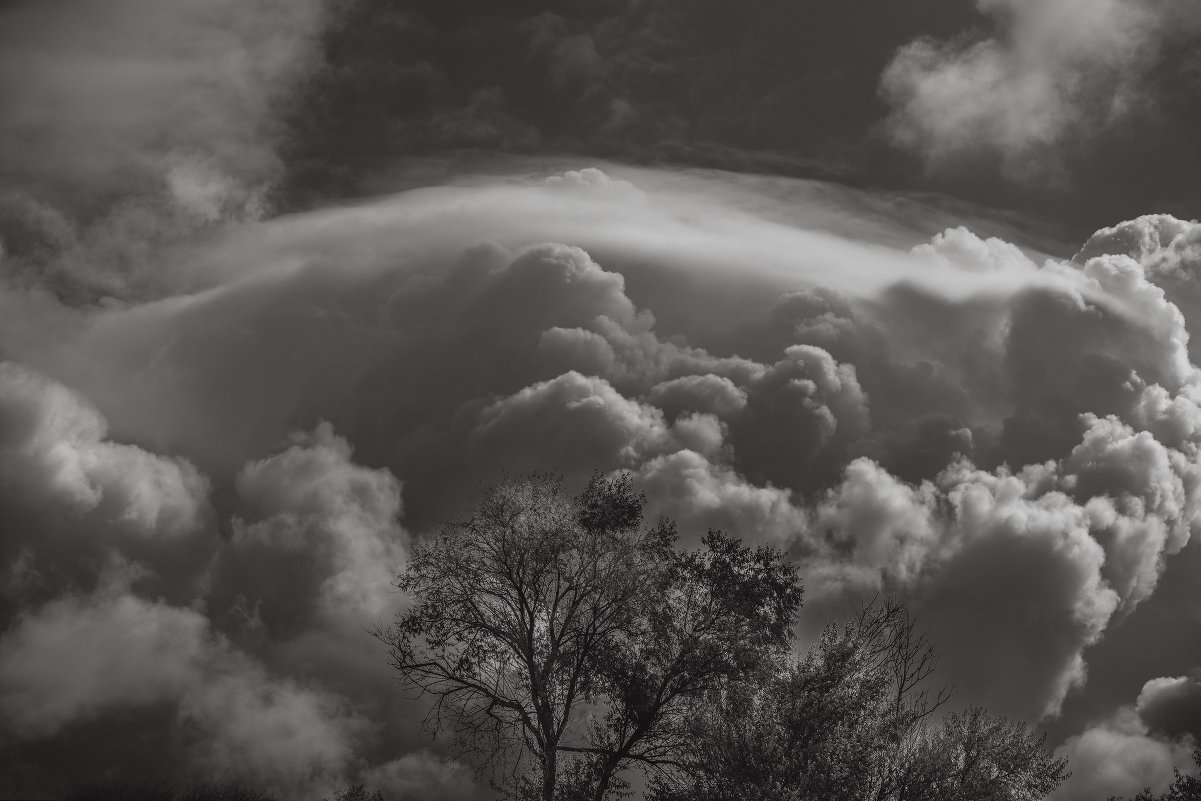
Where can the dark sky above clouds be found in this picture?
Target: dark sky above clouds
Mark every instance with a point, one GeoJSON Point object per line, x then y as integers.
{"type": "Point", "coordinates": [1084, 110]}
{"type": "Point", "coordinates": [908, 289]}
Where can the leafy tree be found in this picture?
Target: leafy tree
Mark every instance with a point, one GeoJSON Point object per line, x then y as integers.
{"type": "Point", "coordinates": [986, 757]}
{"type": "Point", "coordinates": [356, 792]}
{"type": "Point", "coordinates": [715, 615]}
{"type": "Point", "coordinates": [113, 789]}
{"type": "Point", "coordinates": [565, 630]}
{"type": "Point", "coordinates": [851, 719]}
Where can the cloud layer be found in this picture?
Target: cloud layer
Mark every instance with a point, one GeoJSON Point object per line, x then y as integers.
{"type": "Point", "coordinates": [208, 489]}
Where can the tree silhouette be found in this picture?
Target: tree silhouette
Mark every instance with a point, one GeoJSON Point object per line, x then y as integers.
{"type": "Point", "coordinates": [851, 719]}
{"type": "Point", "coordinates": [562, 629]}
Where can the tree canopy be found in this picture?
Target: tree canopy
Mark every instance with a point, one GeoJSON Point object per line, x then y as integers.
{"type": "Point", "coordinates": [853, 719]}
{"type": "Point", "coordinates": [565, 630]}
{"type": "Point", "coordinates": [564, 641]}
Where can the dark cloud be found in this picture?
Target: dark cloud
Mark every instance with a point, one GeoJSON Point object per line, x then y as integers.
{"type": "Point", "coordinates": [804, 408]}
{"type": "Point", "coordinates": [1171, 706]}
{"type": "Point", "coordinates": [995, 92]}
{"type": "Point", "coordinates": [77, 658]}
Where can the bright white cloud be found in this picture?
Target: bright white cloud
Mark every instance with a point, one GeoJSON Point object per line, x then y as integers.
{"type": "Point", "coordinates": [1050, 70]}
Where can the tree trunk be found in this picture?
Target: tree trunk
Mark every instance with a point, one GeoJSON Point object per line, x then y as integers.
{"type": "Point", "coordinates": [606, 775]}
{"type": "Point", "coordinates": [549, 774]}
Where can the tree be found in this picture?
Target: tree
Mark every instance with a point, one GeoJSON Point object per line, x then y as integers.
{"type": "Point", "coordinates": [356, 792]}
{"type": "Point", "coordinates": [717, 615]}
{"type": "Point", "coordinates": [981, 756]}
{"type": "Point", "coordinates": [851, 719]}
{"type": "Point", "coordinates": [565, 631]}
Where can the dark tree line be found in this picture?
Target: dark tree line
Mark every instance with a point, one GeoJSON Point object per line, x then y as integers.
{"type": "Point", "coordinates": [565, 643]}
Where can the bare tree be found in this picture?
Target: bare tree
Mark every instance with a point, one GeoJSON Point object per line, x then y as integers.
{"type": "Point", "coordinates": [906, 657]}
{"type": "Point", "coordinates": [561, 628]}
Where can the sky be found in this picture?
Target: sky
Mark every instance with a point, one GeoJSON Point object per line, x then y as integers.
{"type": "Point", "coordinates": [905, 290]}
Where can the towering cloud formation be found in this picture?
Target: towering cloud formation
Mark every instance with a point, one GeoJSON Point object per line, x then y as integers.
{"type": "Point", "coordinates": [207, 490]}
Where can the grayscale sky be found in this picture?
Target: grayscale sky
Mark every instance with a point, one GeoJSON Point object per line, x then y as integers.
{"type": "Point", "coordinates": [904, 288]}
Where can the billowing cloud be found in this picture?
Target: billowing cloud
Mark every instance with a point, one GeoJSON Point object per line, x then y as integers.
{"type": "Point", "coordinates": [82, 656]}
{"type": "Point", "coordinates": [1119, 757]}
{"type": "Point", "coordinates": [76, 658]}
{"type": "Point", "coordinates": [701, 494]}
{"type": "Point", "coordinates": [1051, 69]}
{"type": "Point", "coordinates": [333, 524]}
{"type": "Point", "coordinates": [800, 409]}
{"type": "Point", "coordinates": [220, 434]}
{"type": "Point", "coordinates": [74, 497]}
{"type": "Point", "coordinates": [1007, 441]}
{"type": "Point", "coordinates": [1007, 575]}
{"type": "Point", "coordinates": [56, 445]}
{"type": "Point", "coordinates": [1171, 706]}
{"type": "Point", "coordinates": [583, 420]}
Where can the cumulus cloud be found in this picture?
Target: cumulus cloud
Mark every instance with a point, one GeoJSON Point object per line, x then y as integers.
{"type": "Point", "coordinates": [74, 498]}
{"type": "Point", "coordinates": [1009, 442]}
{"type": "Point", "coordinates": [1006, 574]}
{"type": "Point", "coordinates": [1048, 71]}
{"type": "Point", "coordinates": [805, 408]}
{"type": "Point", "coordinates": [333, 524]}
{"type": "Point", "coordinates": [56, 444]}
{"type": "Point", "coordinates": [77, 657]}
{"type": "Point", "coordinates": [81, 656]}
{"type": "Point", "coordinates": [1119, 757]}
{"type": "Point", "coordinates": [1171, 706]}
{"type": "Point", "coordinates": [582, 420]}
{"type": "Point", "coordinates": [701, 494]}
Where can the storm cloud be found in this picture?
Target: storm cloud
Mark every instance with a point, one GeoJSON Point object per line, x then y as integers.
{"type": "Point", "coordinates": [211, 490]}
{"type": "Point", "coordinates": [284, 285]}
